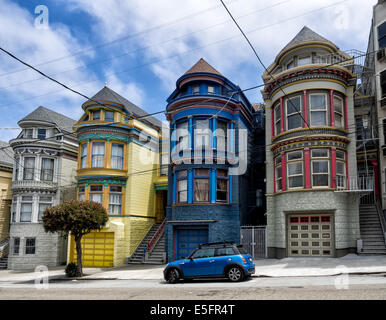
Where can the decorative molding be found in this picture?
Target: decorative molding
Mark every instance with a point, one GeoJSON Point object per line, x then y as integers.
{"type": "Point", "coordinates": [101, 180]}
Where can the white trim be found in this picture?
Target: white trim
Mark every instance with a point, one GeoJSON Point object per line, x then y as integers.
{"type": "Point", "coordinates": [318, 110]}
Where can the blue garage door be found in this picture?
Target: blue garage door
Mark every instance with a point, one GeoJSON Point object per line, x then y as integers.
{"type": "Point", "coordinates": [188, 240]}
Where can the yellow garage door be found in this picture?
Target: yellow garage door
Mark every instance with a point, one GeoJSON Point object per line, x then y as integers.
{"type": "Point", "coordinates": [97, 249]}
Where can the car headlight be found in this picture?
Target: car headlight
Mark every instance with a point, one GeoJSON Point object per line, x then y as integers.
{"type": "Point", "coordinates": [250, 259]}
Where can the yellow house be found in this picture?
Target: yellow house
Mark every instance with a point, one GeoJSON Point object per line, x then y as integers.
{"type": "Point", "coordinates": [6, 165]}
{"type": "Point", "coordinates": [119, 166]}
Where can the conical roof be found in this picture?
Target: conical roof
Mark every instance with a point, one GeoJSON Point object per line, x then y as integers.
{"type": "Point", "coordinates": [305, 35]}
{"type": "Point", "coordinates": [107, 94]}
{"type": "Point", "coordinates": [47, 115]}
{"type": "Point", "coordinates": [202, 66]}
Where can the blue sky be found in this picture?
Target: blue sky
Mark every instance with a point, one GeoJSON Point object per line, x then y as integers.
{"type": "Point", "coordinates": [141, 47]}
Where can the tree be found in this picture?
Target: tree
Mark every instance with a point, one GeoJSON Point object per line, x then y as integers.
{"type": "Point", "coordinates": [75, 217]}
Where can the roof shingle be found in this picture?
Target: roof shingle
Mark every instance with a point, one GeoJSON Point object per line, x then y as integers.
{"type": "Point", "coordinates": [202, 66]}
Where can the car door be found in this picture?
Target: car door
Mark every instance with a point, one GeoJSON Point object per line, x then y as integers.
{"type": "Point", "coordinates": [223, 256]}
{"type": "Point", "coordinates": [200, 264]}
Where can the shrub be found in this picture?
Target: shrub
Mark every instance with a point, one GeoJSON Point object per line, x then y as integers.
{"type": "Point", "coordinates": [72, 270]}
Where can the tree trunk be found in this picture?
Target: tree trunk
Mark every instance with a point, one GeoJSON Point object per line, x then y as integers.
{"type": "Point", "coordinates": [79, 254]}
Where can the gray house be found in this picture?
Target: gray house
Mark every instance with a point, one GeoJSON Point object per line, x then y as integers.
{"type": "Point", "coordinates": [45, 159]}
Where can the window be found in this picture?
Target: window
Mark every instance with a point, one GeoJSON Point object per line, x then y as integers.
{"type": "Point", "coordinates": [294, 118]}
{"type": "Point", "coordinates": [44, 203]}
{"type": "Point", "coordinates": [14, 206]}
{"type": "Point", "coordinates": [382, 35]}
{"type": "Point", "coordinates": [81, 190]}
{"type": "Point", "coordinates": [201, 185]}
{"type": "Point", "coordinates": [211, 90]}
{"type": "Point", "coordinates": [196, 89]}
{"type": "Point", "coordinates": [96, 193]}
{"type": "Point", "coordinates": [117, 156]}
{"type": "Point", "coordinates": [183, 136]}
{"type": "Point", "coordinates": [278, 174]}
{"type": "Point", "coordinates": [29, 168]}
{"type": "Point", "coordinates": [83, 155]}
{"type": "Point", "coordinates": [115, 200]}
{"type": "Point", "coordinates": [86, 118]}
{"type": "Point", "coordinates": [320, 168]}
{"type": "Point", "coordinates": [225, 252]}
{"type": "Point", "coordinates": [96, 115]}
{"type": "Point", "coordinates": [222, 185]}
{"type": "Point", "coordinates": [383, 83]}
{"type": "Point", "coordinates": [17, 165]}
{"type": "Point", "coordinates": [203, 253]}
{"type": "Point", "coordinates": [47, 170]}
{"type": "Point", "coordinates": [304, 60]}
{"type": "Point", "coordinates": [30, 245]}
{"type": "Point", "coordinates": [26, 209]}
{"type": "Point", "coordinates": [338, 112]}
{"type": "Point", "coordinates": [202, 134]}
{"type": "Point", "coordinates": [340, 169]}
{"type": "Point", "coordinates": [28, 133]}
{"type": "Point", "coordinates": [318, 109]}
{"type": "Point", "coordinates": [109, 116]}
{"type": "Point", "coordinates": [277, 119]}
{"type": "Point", "coordinates": [221, 133]}
{"type": "Point", "coordinates": [16, 246]}
{"type": "Point", "coordinates": [182, 186]}
{"type": "Point", "coordinates": [98, 155]}
{"type": "Point", "coordinates": [42, 133]}
{"type": "Point", "coordinates": [295, 169]}
{"type": "Point", "coordinates": [291, 64]}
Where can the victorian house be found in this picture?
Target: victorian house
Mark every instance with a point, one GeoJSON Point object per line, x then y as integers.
{"type": "Point", "coordinates": [211, 123]}
{"type": "Point", "coordinates": [45, 156]}
{"type": "Point", "coordinates": [119, 167]}
{"type": "Point", "coordinates": [313, 190]}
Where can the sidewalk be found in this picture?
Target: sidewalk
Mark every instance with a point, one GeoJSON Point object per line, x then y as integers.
{"type": "Point", "coordinates": [288, 267]}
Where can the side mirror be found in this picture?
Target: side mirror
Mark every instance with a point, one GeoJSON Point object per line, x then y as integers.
{"type": "Point", "coordinates": [191, 259]}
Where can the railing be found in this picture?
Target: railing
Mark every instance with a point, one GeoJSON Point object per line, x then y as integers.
{"type": "Point", "coordinates": [151, 243]}
{"type": "Point", "coordinates": [4, 244]}
{"type": "Point", "coordinates": [381, 218]}
{"type": "Point", "coordinates": [355, 184]}
{"type": "Point", "coordinates": [33, 183]}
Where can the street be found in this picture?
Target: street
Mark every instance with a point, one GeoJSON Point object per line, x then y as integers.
{"type": "Point", "coordinates": [356, 287]}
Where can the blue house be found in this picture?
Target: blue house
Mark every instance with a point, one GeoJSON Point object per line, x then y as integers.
{"type": "Point", "coordinates": [211, 123]}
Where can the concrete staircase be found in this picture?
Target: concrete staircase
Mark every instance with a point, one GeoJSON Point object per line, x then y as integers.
{"type": "Point", "coordinates": [371, 231]}
{"type": "Point", "coordinates": [157, 256]}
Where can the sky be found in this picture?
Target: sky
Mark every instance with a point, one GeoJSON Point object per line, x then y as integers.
{"type": "Point", "coordinates": [141, 47]}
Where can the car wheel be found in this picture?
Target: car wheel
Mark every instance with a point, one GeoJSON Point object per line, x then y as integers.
{"type": "Point", "coordinates": [173, 276]}
{"type": "Point", "coordinates": [235, 274]}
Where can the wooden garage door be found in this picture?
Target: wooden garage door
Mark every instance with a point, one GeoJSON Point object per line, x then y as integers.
{"type": "Point", "coordinates": [97, 249]}
{"type": "Point", "coordinates": [310, 235]}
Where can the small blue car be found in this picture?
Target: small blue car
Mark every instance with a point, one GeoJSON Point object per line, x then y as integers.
{"type": "Point", "coordinates": [212, 260]}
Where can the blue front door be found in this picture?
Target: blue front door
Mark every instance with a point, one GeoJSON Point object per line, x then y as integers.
{"type": "Point", "coordinates": [188, 240]}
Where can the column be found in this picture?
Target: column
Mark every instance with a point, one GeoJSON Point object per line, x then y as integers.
{"type": "Point", "coordinates": [214, 128]}
{"type": "Point", "coordinates": [333, 168]}
{"type": "Point", "coordinates": [307, 172]}
{"type": "Point", "coordinates": [190, 185]}
{"type": "Point", "coordinates": [212, 182]}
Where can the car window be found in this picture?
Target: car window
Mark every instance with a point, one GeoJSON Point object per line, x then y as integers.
{"type": "Point", "coordinates": [242, 250]}
{"type": "Point", "coordinates": [203, 253]}
{"type": "Point", "coordinates": [225, 252]}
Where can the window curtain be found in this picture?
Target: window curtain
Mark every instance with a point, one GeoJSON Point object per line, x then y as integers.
{"type": "Point", "coordinates": [201, 190]}
{"type": "Point", "coordinates": [83, 155]}
{"type": "Point", "coordinates": [98, 154]}
{"type": "Point", "coordinates": [221, 136]}
{"type": "Point", "coordinates": [26, 212]}
{"type": "Point", "coordinates": [115, 203]}
{"type": "Point", "coordinates": [116, 156]}
{"type": "Point", "coordinates": [47, 169]}
{"type": "Point", "coordinates": [29, 165]}
{"type": "Point", "coordinates": [96, 197]}
{"type": "Point", "coordinates": [202, 133]}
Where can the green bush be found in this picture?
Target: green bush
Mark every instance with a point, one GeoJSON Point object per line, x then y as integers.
{"type": "Point", "coordinates": [72, 270]}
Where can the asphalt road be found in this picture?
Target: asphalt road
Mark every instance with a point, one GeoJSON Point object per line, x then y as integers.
{"type": "Point", "coordinates": [351, 287]}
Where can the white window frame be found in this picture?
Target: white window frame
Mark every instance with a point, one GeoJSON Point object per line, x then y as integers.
{"type": "Point", "coordinates": [343, 161]}
{"type": "Point", "coordinates": [98, 154]}
{"type": "Point", "coordinates": [43, 202]}
{"type": "Point", "coordinates": [195, 86]}
{"type": "Point", "coordinates": [290, 62]}
{"type": "Point", "coordinates": [83, 193]}
{"type": "Point", "coordinates": [336, 112]}
{"type": "Point", "coordinates": [319, 110]}
{"type": "Point", "coordinates": [277, 165]}
{"type": "Point", "coordinates": [121, 145]}
{"type": "Point", "coordinates": [25, 246]}
{"type": "Point", "coordinates": [294, 161]}
{"type": "Point", "coordinates": [288, 106]}
{"type": "Point", "coordinates": [83, 156]}
{"type": "Point", "coordinates": [276, 121]}
{"type": "Point", "coordinates": [91, 193]}
{"type": "Point", "coordinates": [304, 57]}
{"type": "Point", "coordinates": [53, 168]}
{"type": "Point", "coordinates": [316, 159]}
{"type": "Point", "coordinates": [27, 202]}
{"type": "Point", "coordinates": [184, 134]}
{"type": "Point", "coordinates": [115, 204]}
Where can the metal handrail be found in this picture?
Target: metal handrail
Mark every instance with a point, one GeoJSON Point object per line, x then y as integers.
{"type": "Point", "coordinates": [153, 241]}
{"type": "Point", "coordinates": [381, 218]}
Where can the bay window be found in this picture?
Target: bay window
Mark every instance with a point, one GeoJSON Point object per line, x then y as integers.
{"type": "Point", "coordinates": [304, 60]}
{"type": "Point", "coordinates": [211, 90]}
{"type": "Point", "coordinates": [222, 186]}
{"type": "Point", "coordinates": [96, 115]}
{"type": "Point", "coordinates": [117, 156]}
{"type": "Point", "coordinates": [182, 186]}
{"type": "Point", "coordinates": [29, 168]}
{"type": "Point", "coordinates": [42, 134]}
{"type": "Point", "coordinates": [221, 133]}
{"type": "Point", "coordinates": [295, 169]}
{"type": "Point", "coordinates": [294, 118]}
{"type": "Point", "coordinates": [201, 185]}
{"type": "Point", "coordinates": [47, 169]}
{"type": "Point", "coordinates": [278, 174]}
{"type": "Point", "coordinates": [338, 112]}
{"type": "Point", "coordinates": [28, 133]}
{"type": "Point", "coordinates": [340, 169]}
{"type": "Point", "coordinates": [96, 193]}
{"type": "Point", "coordinates": [318, 108]}
{"type": "Point", "coordinates": [44, 203]}
{"type": "Point", "coordinates": [115, 200]}
{"type": "Point", "coordinates": [98, 155]}
{"type": "Point", "coordinates": [26, 209]}
{"type": "Point", "coordinates": [109, 116]}
{"type": "Point", "coordinates": [202, 134]}
{"type": "Point", "coordinates": [277, 119]}
{"type": "Point", "coordinates": [320, 168]}
{"type": "Point", "coordinates": [83, 155]}
{"type": "Point", "coordinates": [196, 89]}
{"type": "Point", "coordinates": [17, 164]}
